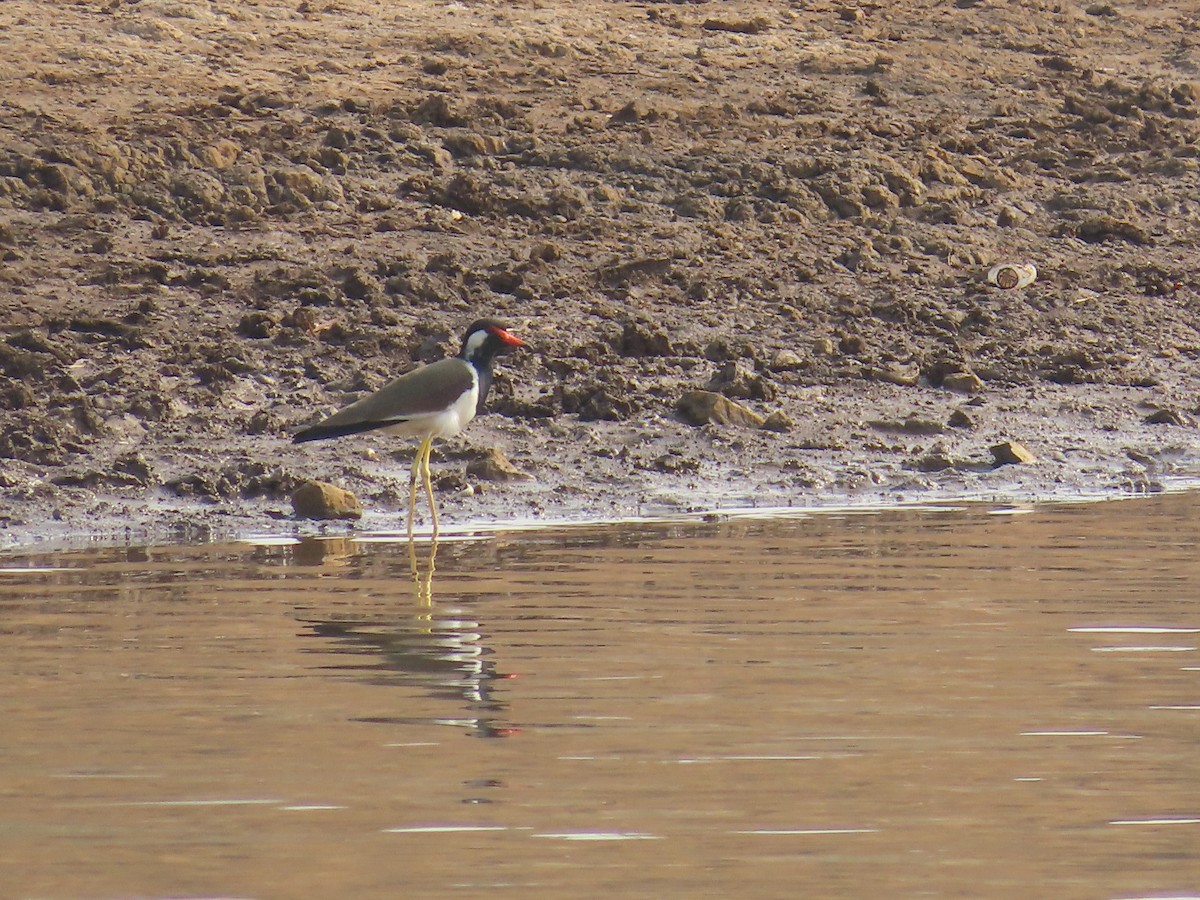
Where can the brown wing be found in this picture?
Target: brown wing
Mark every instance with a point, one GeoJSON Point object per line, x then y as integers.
{"type": "Point", "coordinates": [421, 392]}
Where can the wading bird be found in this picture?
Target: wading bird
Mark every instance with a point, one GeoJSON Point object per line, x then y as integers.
{"type": "Point", "coordinates": [433, 401]}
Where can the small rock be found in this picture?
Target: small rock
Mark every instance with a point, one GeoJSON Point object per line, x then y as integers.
{"type": "Point", "coordinates": [786, 360]}
{"type": "Point", "coordinates": [936, 460]}
{"type": "Point", "coordinates": [852, 344]}
{"type": "Point", "coordinates": [493, 465]}
{"type": "Point", "coordinates": [1165, 416]}
{"type": "Point", "coordinates": [15, 395]}
{"type": "Point", "coordinates": [257, 325]}
{"type": "Point", "coordinates": [737, 378]}
{"type": "Point", "coordinates": [695, 205]}
{"type": "Point", "coordinates": [597, 403]}
{"type": "Point", "coordinates": [756, 25]}
{"type": "Point", "coordinates": [1010, 217]}
{"type": "Point", "coordinates": [877, 196]}
{"type": "Point", "coordinates": [547, 251]}
{"type": "Point", "coordinates": [675, 463]}
{"type": "Point", "coordinates": [824, 347]}
{"type": "Point", "coordinates": [639, 339]}
{"type": "Point", "coordinates": [200, 188]}
{"type": "Point", "coordinates": [468, 143]}
{"type": "Point", "coordinates": [301, 181]}
{"type": "Point", "coordinates": [439, 110]}
{"type": "Point", "coordinates": [720, 350]}
{"type": "Point", "coordinates": [454, 483]}
{"type": "Point", "coordinates": [778, 421]}
{"type": "Point", "coordinates": [959, 419]}
{"type": "Point", "coordinates": [635, 271]}
{"type": "Point", "coordinates": [319, 500]}
{"type": "Point", "coordinates": [135, 466]}
{"type": "Point", "coordinates": [892, 375]}
{"type": "Point", "coordinates": [634, 111]}
{"type": "Point", "coordinates": [702, 407]}
{"type": "Point", "coordinates": [1109, 228]}
{"type": "Point", "coordinates": [220, 155]}
{"type": "Point", "coordinates": [1011, 452]}
{"type": "Point", "coordinates": [963, 382]}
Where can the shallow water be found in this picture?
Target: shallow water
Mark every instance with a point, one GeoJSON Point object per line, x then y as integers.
{"type": "Point", "coordinates": [970, 703]}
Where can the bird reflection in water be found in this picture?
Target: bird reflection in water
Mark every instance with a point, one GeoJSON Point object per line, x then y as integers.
{"type": "Point", "coordinates": [446, 656]}
{"type": "Point", "coordinates": [422, 584]}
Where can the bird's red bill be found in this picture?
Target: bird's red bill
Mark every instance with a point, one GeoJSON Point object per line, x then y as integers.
{"type": "Point", "coordinates": [509, 339]}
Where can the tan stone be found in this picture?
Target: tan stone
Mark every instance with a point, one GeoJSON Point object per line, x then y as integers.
{"type": "Point", "coordinates": [493, 465]}
{"type": "Point", "coordinates": [963, 382]}
{"type": "Point", "coordinates": [702, 407]}
{"type": "Point", "coordinates": [319, 500]}
{"type": "Point", "coordinates": [220, 155]}
{"type": "Point", "coordinates": [1011, 452]}
{"type": "Point", "coordinates": [778, 421]}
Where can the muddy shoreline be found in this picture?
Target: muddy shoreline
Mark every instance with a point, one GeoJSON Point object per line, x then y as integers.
{"type": "Point", "coordinates": [595, 472]}
{"type": "Point", "coordinates": [219, 221]}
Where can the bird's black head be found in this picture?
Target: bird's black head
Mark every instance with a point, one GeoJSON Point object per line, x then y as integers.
{"type": "Point", "coordinates": [484, 340]}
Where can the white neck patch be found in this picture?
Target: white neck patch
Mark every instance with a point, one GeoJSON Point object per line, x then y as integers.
{"type": "Point", "coordinates": [474, 341]}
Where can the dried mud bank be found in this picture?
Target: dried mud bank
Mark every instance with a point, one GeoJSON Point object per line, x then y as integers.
{"type": "Point", "coordinates": [219, 220]}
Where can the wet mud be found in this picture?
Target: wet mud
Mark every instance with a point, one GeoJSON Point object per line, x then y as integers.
{"type": "Point", "coordinates": [219, 221]}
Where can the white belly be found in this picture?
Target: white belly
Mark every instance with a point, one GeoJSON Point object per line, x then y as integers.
{"type": "Point", "coordinates": [442, 424]}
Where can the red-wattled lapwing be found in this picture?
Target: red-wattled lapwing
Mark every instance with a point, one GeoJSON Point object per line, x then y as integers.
{"type": "Point", "coordinates": [433, 401]}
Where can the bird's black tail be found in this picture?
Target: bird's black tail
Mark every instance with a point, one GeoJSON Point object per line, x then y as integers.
{"type": "Point", "coordinates": [320, 432]}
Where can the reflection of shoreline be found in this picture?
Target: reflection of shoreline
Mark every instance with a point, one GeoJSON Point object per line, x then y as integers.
{"type": "Point", "coordinates": [447, 657]}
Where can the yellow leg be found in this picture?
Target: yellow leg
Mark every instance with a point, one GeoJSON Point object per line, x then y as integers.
{"type": "Point", "coordinates": [429, 490]}
{"type": "Point", "coordinates": [422, 584]}
{"type": "Point", "coordinates": [412, 486]}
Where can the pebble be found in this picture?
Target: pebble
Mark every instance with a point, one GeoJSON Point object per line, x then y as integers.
{"type": "Point", "coordinates": [936, 460]}
{"type": "Point", "coordinates": [1166, 416]}
{"type": "Point", "coordinates": [755, 25]}
{"type": "Point", "coordinates": [220, 155]}
{"type": "Point", "coordinates": [737, 378]}
{"type": "Point", "coordinates": [1011, 452]}
{"type": "Point", "coordinates": [320, 500]}
{"type": "Point", "coordinates": [786, 360]}
{"type": "Point", "coordinates": [493, 465]}
{"type": "Point", "coordinates": [1010, 217]}
{"type": "Point", "coordinates": [703, 407]}
{"type": "Point", "coordinates": [634, 111]}
{"type": "Point", "coordinates": [675, 463]}
{"type": "Point", "coordinates": [959, 419]}
{"type": "Point", "coordinates": [200, 188]}
{"type": "Point", "coordinates": [892, 375]}
{"type": "Point", "coordinates": [1109, 228]}
{"type": "Point", "coordinates": [778, 421]}
{"type": "Point", "coordinates": [963, 382]}
{"type": "Point", "coordinates": [302, 181]}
